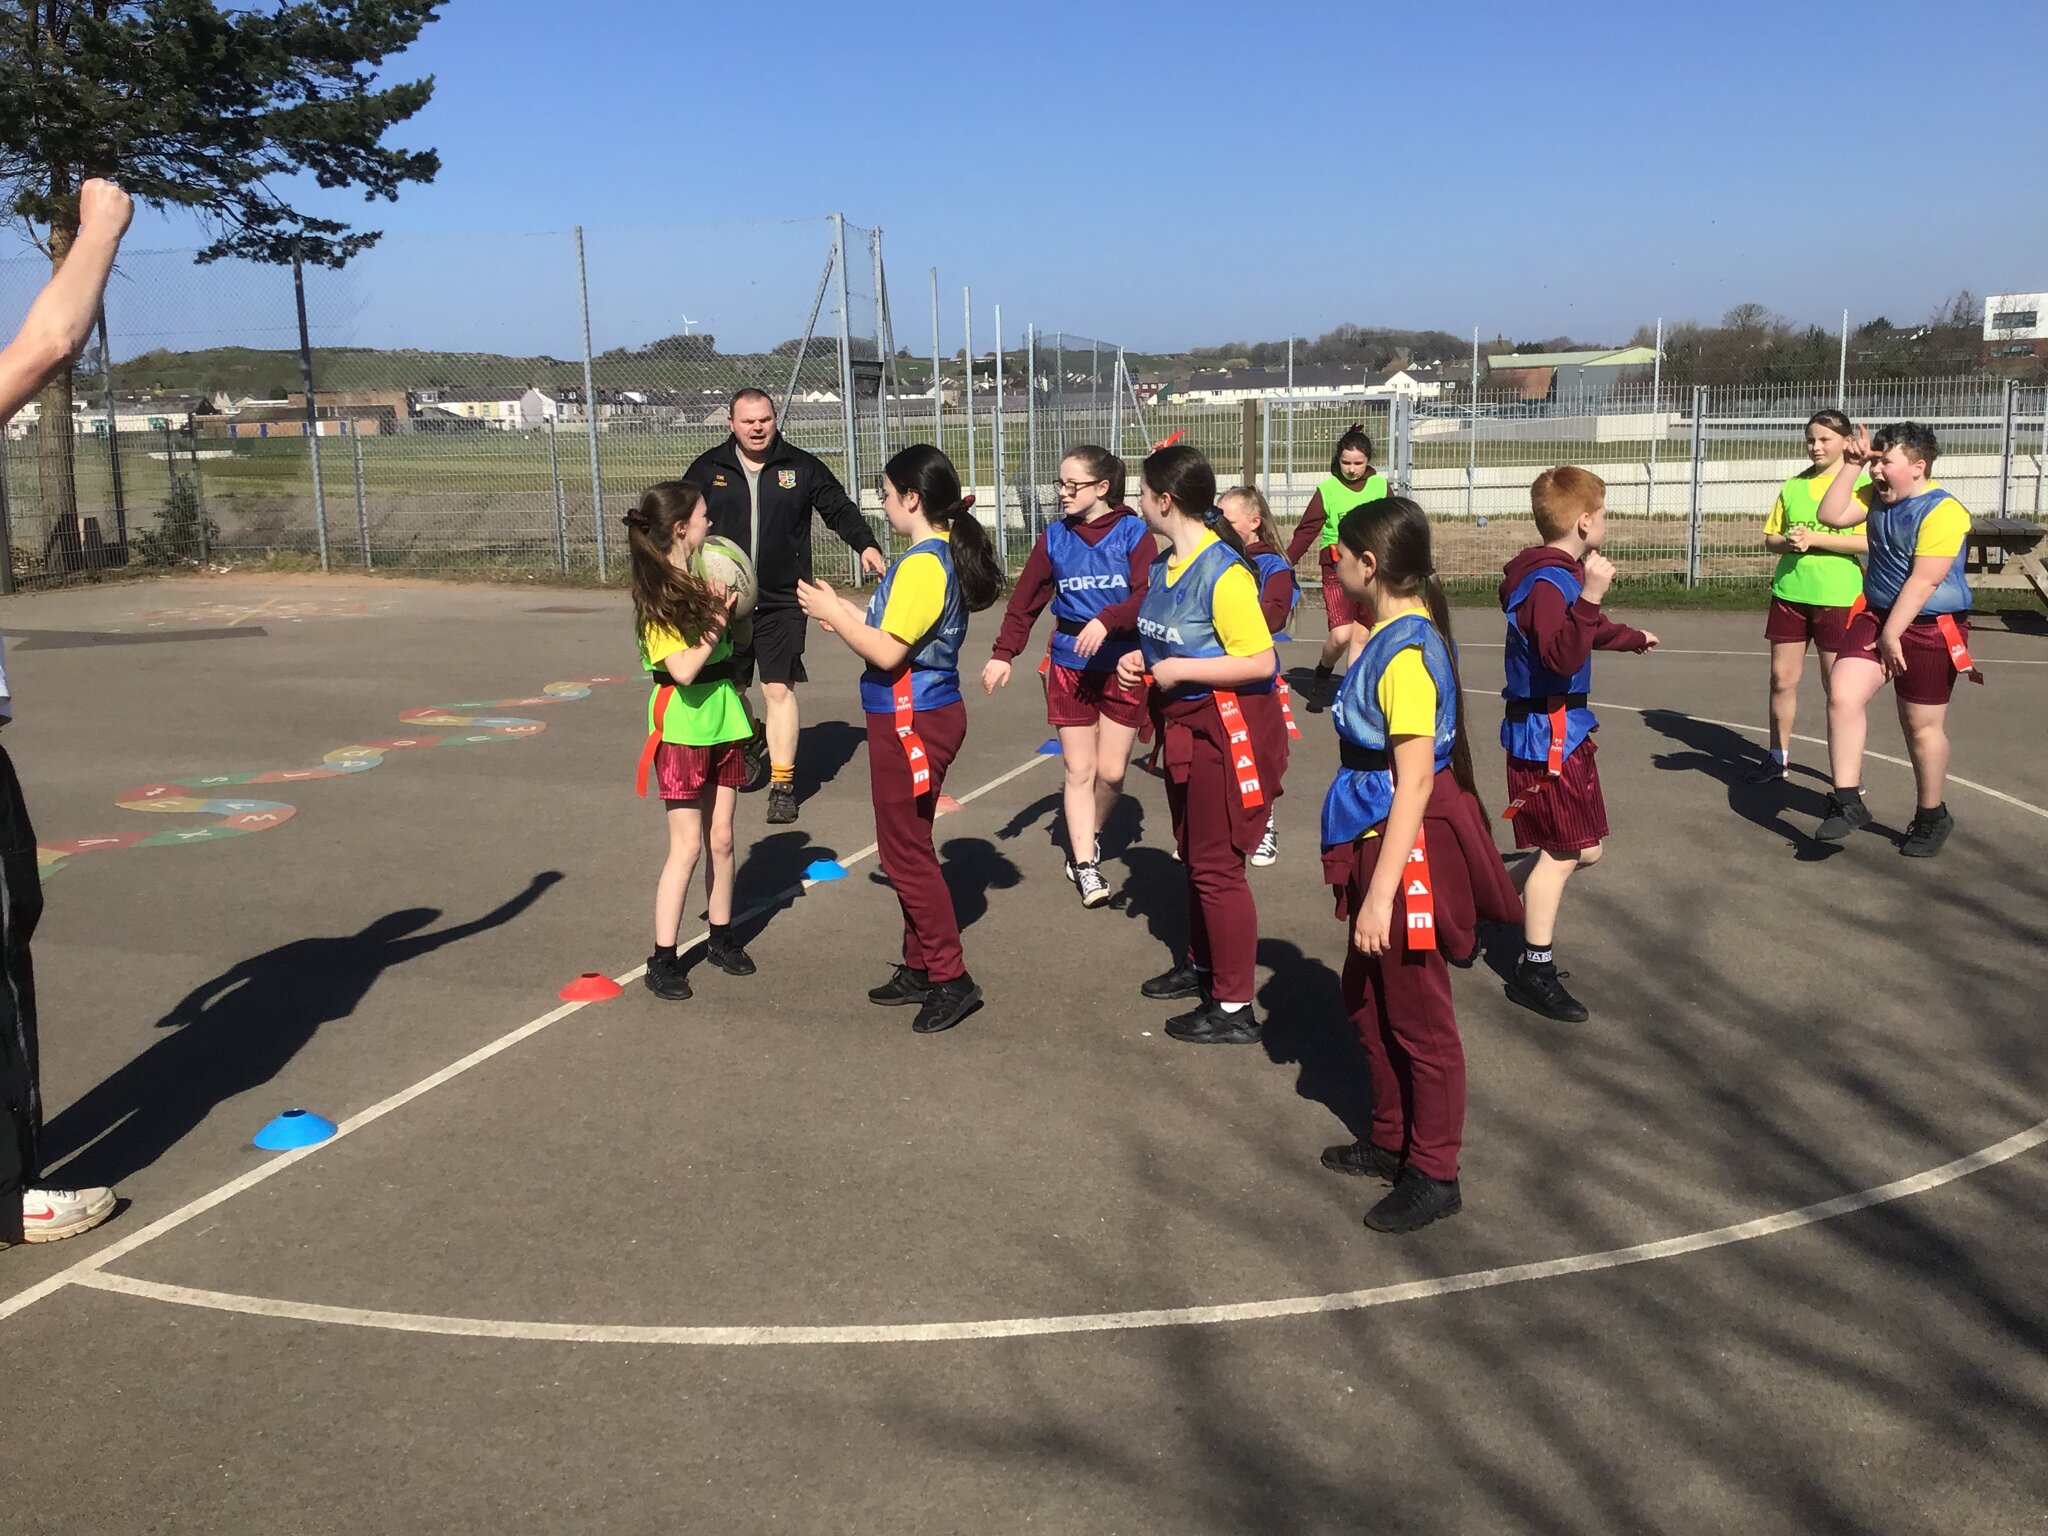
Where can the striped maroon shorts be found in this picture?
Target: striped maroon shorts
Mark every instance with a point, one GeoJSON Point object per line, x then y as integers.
{"type": "Point", "coordinates": [684, 773]}
{"type": "Point", "coordinates": [1569, 813]}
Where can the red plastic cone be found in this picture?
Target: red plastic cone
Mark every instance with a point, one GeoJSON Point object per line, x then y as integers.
{"type": "Point", "coordinates": [590, 987]}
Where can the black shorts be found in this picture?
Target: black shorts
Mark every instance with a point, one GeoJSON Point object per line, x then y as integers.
{"type": "Point", "coordinates": [776, 648]}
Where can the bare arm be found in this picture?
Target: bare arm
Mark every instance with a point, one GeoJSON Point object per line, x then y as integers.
{"type": "Point", "coordinates": [873, 645]}
{"type": "Point", "coordinates": [1839, 507]}
{"type": "Point", "coordinates": [62, 316]}
{"type": "Point", "coordinates": [1213, 671]}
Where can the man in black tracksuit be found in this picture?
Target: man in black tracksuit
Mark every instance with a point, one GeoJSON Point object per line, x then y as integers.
{"type": "Point", "coordinates": [760, 491]}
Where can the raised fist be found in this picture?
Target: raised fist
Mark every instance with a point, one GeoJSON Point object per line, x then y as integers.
{"type": "Point", "coordinates": [104, 209]}
{"type": "Point", "coordinates": [1599, 576]}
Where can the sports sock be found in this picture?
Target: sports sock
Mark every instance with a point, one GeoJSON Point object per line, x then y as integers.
{"type": "Point", "coordinates": [1933, 812]}
{"type": "Point", "coordinates": [1323, 674]}
{"type": "Point", "coordinates": [782, 773]}
{"type": "Point", "coordinates": [721, 932]}
{"type": "Point", "coordinates": [1538, 956]}
{"type": "Point", "coordinates": [1781, 755]}
{"type": "Point", "coordinates": [1850, 796]}
{"type": "Point", "coordinates": [1233, 1007]}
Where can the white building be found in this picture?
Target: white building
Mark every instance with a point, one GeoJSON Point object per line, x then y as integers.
{"type": "Point", "coordinates": [2016, 325]}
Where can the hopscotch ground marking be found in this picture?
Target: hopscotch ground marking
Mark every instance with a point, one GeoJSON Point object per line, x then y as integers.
{"type": "Point", "coordinates": [76, 1273]}
{"type": "Point", "coordinates": [89, 1272]}
{"type": "Point", "coordinates": [1082, 1322]}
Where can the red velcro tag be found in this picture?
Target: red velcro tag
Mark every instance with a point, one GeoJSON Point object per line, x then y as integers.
{"type": "Point", "coordinates": [1287, 709]}
{"type": "Point", "coordinates": [906, 732]}
{"type": "Point", "coordinates": [1237, 747]}
{"type": "Point", "coordinates": [1558, 720]}
{"type": "Point", "coordinates": [1958, 647]}
{"type": "Point", "coordinates": [1420, 900]}
{"type": "Point", "coordinates": [661, 697]}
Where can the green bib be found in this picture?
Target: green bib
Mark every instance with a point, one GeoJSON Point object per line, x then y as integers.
{"type": "Point", "coordinates": [701, 714]}
{"type": "Point", "coordinates": [1339, 498]}
{"type": "Point", "coordinates": [1822, 576]}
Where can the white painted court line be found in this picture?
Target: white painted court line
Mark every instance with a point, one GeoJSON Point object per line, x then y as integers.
{"type": "Point", "coordinates": [1818, 741]}
{"type": "Point", "coordinates": [1665, 650]}
{"type": "Point", "coordinates": [1084, 1322]}
{"type": "Point", "coordinates": [76, 1273]}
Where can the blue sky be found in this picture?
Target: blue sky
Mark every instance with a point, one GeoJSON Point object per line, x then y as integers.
{"type": "Point", "coordinates": [1174, 175]}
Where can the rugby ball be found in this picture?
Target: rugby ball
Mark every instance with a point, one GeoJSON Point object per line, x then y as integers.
{"type": "Point", "coordinates": [722, 561]}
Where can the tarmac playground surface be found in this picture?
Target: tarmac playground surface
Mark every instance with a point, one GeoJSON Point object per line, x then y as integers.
{"type": "Point", "coordinates": [1757, 1249]}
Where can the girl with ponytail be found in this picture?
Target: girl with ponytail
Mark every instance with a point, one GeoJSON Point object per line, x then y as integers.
{"type": "Point", "coordinates": [1408, 849]}
{"type": "Point", "coordinates": [1352, 483]}
{"type": "Point", "coordinates": [697, 726]}
{"type": "Point", "coordinates": [1222, 735]}
{"type": "Point", "coordinates": [910, 635]}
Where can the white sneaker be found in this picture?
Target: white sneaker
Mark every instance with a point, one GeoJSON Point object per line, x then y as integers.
{"type": "Point", "coordinates": [50, 1214]}
{"type": "Point", "coordinates": [1268, 851]}
{"type": "Point", "coordinates": [1094, 889]}
{"type": "Point", "coordinates": [1072, 868]}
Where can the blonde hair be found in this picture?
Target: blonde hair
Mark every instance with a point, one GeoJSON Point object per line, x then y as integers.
{"type": "Point", "coordinates": [1560, 497]}
{"type": "Point", "coordinates": [1268, 531]}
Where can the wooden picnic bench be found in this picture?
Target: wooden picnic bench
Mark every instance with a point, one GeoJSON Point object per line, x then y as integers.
{"type": "Point", "coordinates": [2004, 552]}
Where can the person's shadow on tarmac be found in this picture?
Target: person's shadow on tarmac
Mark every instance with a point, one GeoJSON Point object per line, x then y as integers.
{"type": "Point", "coordinates": [1726, 756]}
{"type": "Point", "coordinates": [237, 1032]}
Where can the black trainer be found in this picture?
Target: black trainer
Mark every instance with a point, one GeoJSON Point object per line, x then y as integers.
{"type": "Point", "coordinates": [730, 957]}
{"type": "Point", "coordinates": [1769, 771]}
{"type": "Point", "coordinates": [907, 985]}
{"type": "Point", "coordinates": [1181, 981]}
{"type": "Point", "coordinates": [1844, 816]}
{"type": "Point", "coordinates": [1541, 987]}
{"type": "Point", "coordinates": [1315, 702]}
{"type": "Point", "coordinates": [1417, 1200]}
{"type": "Point", "coordinates": [946, 1003]}
{"type": "Point", "coordinates": [1927, 832]}
{"type": "Point", "coordinates": [1213, 1024]}
{"type": "Point", "coordinates": [1363, 1160]}
{"type": "Point", "coordinates": [665, 976]}
{"type": "Point", "coordinates": [781, 805]}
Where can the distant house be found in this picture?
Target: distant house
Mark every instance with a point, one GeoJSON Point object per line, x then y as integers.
{"type": "Point", "coordinates": [1566, 375]}
{"type": "Point", "coordinates": [495, 405]}
{"type": "Point", "coordinates": [2015, 325]}
{"type": "Point", "coordinates": [1318, 381]}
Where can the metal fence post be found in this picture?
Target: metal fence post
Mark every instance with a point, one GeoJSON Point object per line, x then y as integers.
{"type": "Point", "coordinates": [590, 408]}
{"type": "Point", "coordinates": [938, 405]}
{"type": "Point", "coordinates": [355, 444]}
{"type": "Point", "coordinates": [2008, 445]}
{"type": "Point", "coordinates": [967, 351]}
{"type": "Point", "coordinates": [1028, 498]}
{"type": "Point", "coordinates": [312, 419]}
{"type": "Point", "coordinates": [561, 504]}
{"type": "Point", "coordinates": [1292, 509]}
{"type": "Point", "coordinates": [1699, 466]}
{"type": "Point", "coordinates": [1002, 533]}
{"type": "Point", "coordinates": [113, 436]}
{"type": "Point", "coordinates": [846, 409]}
{"type": "Point", "coordinates": [6, 526]}
{"type": "Point", "coordinates": [1248, 432]}
{"type": "Point", "coordinates": [1472, 434]}
{"type": "Point", "coordinates": [199, 497]}
{"type": "Point", "coordinates": [1656, 419]}
{"type": "Point", "coordinates": [1265, 481]}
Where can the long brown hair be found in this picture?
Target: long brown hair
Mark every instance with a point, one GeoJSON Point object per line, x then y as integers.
{"type": "Point", "coordinates": [665, 597]}
{"type": "Point", "coordinates": [1395, 532]}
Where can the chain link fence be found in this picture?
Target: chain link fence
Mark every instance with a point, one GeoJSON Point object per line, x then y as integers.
{"type": "Point", "coordinates": [193, 437]}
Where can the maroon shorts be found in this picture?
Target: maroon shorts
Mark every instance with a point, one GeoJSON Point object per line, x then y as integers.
{"type": "Point", "coordinates": [1567, 814]}
{"type": "Point", "coordinates": [1336, 603]}
{"type": "Point", "coordinates": [683, 773]}
{"type": "Point", "coordinates": [1075, 697]}
{"type": "Point", "coordinates": [1796, 623]}
{"type": "Point", "coordinates": [1930, 676]}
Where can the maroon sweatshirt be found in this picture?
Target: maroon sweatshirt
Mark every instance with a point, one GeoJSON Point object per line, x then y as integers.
{"type": "Point", "coordinates": [1563, 634]}
{"type": "Point", "coordinates": [1276, 594]}
{"type": "Point", "coordinates": [1035, 588]}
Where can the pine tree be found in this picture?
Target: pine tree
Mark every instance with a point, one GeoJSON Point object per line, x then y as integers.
{"type": "Point", "coordinates": [188, 104]}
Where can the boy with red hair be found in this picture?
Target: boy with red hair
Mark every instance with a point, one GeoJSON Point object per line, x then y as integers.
{"type": "Point", "coordinates": [1551, 593]}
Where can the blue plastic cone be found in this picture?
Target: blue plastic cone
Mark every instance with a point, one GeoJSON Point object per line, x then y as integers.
{"type": "Point", "coordinates": [1284, 637]}
{"type": "Point", "coordinates": [1051, 747]}
{"type": "Point", "coordinates": [825, 869]}
{"type": "Point", "coordinates": [294, 1128]}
